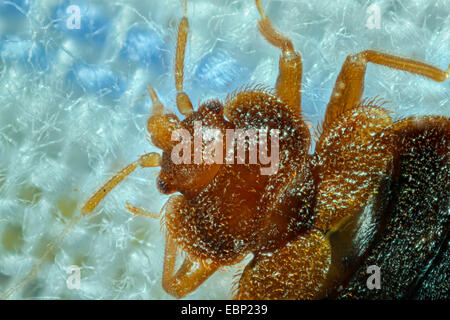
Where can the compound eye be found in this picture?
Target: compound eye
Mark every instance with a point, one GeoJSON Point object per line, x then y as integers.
{"type": "Point", "coordinates": [164, 186]}
{"type": "Point", "coordinates": [213, 106]}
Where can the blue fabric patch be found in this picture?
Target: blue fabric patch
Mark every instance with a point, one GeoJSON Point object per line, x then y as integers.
{"type": "Point", "coordinates": [98, 80]}
{"type": "Point", "coordinates": [28, 54]}
{"type": "Point", "coordinates": [220, 71]}
{"type": "Point", "coordinates": [9, 8]}
{"type": "Point", "coordinates": [146, 48]}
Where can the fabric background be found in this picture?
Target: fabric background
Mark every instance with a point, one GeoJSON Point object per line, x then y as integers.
{"type": "Point", "coordinates": [73, 111]}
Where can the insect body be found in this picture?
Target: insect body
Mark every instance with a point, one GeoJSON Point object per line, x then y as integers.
{"type": "Point", "coordinates": [312, 220]}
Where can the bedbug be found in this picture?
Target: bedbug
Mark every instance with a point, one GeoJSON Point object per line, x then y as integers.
{"type": "Point", "coordinates": [318, 218]}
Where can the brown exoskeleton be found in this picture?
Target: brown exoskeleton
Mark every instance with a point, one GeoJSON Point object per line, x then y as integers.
{"type": "Point", "coordinates": [294, 221]}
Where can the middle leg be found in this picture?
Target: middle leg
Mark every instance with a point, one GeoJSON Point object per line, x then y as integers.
{"type": "Point", "coordinates": [349, 85]}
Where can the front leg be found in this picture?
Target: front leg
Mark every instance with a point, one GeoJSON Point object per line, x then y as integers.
{"type": "Point", "coordinates": [192, 273]}
{"type": "Point", "coordinates": [189, 276]}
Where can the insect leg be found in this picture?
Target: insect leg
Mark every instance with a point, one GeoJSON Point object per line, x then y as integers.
{"type": "Point", "coordinates": [290, 65]}
{"type": "Point", "coordinates": [349, 85]}
{"type": "Point", "coordinates": [295, 271]}
{"type": "Point", "coordinates": [356, 155]}
{"type": "Point", "coordinates": [188, 277]}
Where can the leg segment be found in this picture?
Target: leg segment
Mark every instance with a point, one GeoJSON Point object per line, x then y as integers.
{"type": "Point", "coordinates": [349, 85]}
{"type": "Point", "coordinates": [290, 66]}
{"type": "Point", "coordinates": [191, 274]}
{"type": "Point", "coordinates": [356, 155]}
{"type": "Point", "coordinates": [147, 160]}
{"type": "Point", "coordinates": [295, 271]}
{"type": "Point", "coordinates": [188, 277]}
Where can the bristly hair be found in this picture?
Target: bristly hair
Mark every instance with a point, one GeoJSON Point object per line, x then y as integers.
{"type": "Point", "coordinates": [252, 86]}
{"type": "Point", "coordinates": [162, 221]}
{"type": "Point", "coordinates": [318, 131]}
{"type": "Point", "coordinates": [235, 282]}
{"type": "Point", "coordinates": [376, 101]}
